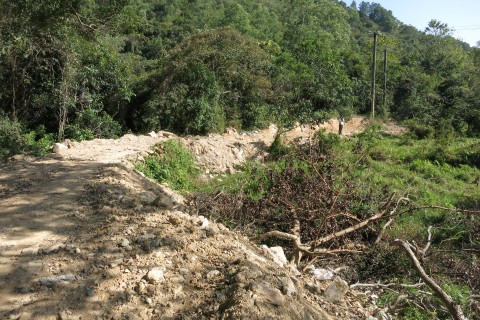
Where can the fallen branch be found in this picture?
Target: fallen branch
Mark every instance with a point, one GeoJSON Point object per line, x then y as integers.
{"type": "Point", "coordinates": [378, 216]}
{"type": "Point", "coordinates": [382, 232]}
{"type": "Point", "coordinates": [454, 309]}
{"type": "Point", "coordinates": [448, 209]}
{"type": "Point", "coordinates": [386, 285]}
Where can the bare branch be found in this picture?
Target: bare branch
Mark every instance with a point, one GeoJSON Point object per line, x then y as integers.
{"type": "Point", "coordinates": [378, 216]}
{"type": "Point", "coordinates": [453, 308]}
{"type": "Point", "coordinates": [275, 234]}
{"type": "Point", "coordinates": [382, 232]}
{"type": "Point", "coordinates": [386, 285]}
{"type": "Point", "coordinates": [449, 209]}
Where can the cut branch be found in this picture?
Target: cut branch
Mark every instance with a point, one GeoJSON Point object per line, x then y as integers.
{"type": "Point", "coordinates": [378, 216]}
{"type": "Point", "coordinates": [453, 308]}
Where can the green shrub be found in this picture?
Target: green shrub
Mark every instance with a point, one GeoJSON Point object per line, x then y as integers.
{"type": "Point", "coordinates": [421, 131]}
{"type": "Point", "coordinates": [278, 148]}
{"type": "Point", "coordinates": [171, 163]}
{"type": "Point", "coordinates": [38, 141]}
{"type": "Point", "coordinates": [93, 123]}
{"type": "Point", "coordinates": [14, 139]}
{"type": "Point", "coordinates": [11, 138]}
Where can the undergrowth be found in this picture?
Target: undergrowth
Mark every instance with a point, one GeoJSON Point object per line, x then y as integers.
{"type": "Point", "coordinates": [331, 183]}
{"type": "Point", "coordinates": [15, 139]}
{"type": "Point", "coordinates": [367, 168]}
{"type": "Point", "coordinates": [172, 164]}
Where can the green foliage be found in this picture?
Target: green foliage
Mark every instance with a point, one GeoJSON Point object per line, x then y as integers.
{"type": "Point", "coordinates": [92, 123]}
{"type": "Point", "coordinates": [278, 148]}
{"type": "Point", "coordinates": [171, 163]}
{"type": "Point", "coordinates": [11, 138]}
{"type": "Point", "coordinates": [211, 80]}
{"type": "Point", "coordinates": [421, 131]}
{"type": "Point", "coordinates": [15, 139]}
{"type": "Point", "coordinates": [200, 66]}
{"type": "Point", "coordinates": [38, 141]}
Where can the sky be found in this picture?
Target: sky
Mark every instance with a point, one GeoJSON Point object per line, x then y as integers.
{"type": "Point", "coordinates": [461, 15]}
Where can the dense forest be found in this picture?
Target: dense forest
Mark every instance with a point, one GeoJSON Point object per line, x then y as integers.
{"type": "Point", "coordinates": [94, 68]}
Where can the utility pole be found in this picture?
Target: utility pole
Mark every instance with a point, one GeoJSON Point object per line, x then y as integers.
{"type": "Point", "coordinates": [385, 80]}
{"type": "Point", "coordinates": [375, 36]}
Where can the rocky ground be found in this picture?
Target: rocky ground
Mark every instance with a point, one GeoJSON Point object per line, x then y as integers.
{"type": "Point", "coordinates": [85, 236]}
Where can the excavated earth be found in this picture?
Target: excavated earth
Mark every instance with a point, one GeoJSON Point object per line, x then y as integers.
{"type": "Point", "coordinates": [85, 236]}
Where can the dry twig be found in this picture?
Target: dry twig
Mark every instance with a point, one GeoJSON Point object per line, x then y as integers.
{"type": "Point", "coordinates": [454, 309]}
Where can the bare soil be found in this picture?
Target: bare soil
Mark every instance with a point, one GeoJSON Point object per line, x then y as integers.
{"type": "Point", "coordinates": [81, 230]}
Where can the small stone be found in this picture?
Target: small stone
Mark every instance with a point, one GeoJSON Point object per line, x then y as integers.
{"type": "Point", "coordinates": [30, 251]}
{"type": "Point", "coordinates": [288, 288]}
{"type": "Point", "coordinates": [124, 242]}
{"type": "Point", "coordinates": [155, 275]}
{"type": "Point", "coordinates": [54, 248]}
{"type": "Point", "coordinates": [336, 290]}
{"type": "Point", "coordinates": [148, 300]}
{"type": "Point", "coordinates": [322, 274]}
{"type": "Point", "coordinates": [213, 274]}
{"type": "Point", "coordinates": [25, 316]}
{"type": "Point", "coordinates": [183, 271]}
{"type": "Point", "coordinates": [78, 251]}
{"type": "Point", "coordinates": [153, 134]}
{"type": "Point", "coordinates": [116, 263]}
{"type": "Point", "coordinates": [59, 148]}
{"type": "Point", "coordinates": [266, 294]}
{"type": "Point", "coordinates": [57, 280]}
{"type": "Point", "coordinates": [90, 292]}
{"type": "Point", "coordinates": [140, 287]}
{"type": "Point", "coordinates": [278, 255]}
{"type": "Point", "coordinates": [313, 288]}
{"type": "Point", "coordinates": [204, 224]}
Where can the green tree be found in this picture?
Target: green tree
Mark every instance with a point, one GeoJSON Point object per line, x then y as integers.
{"type": "Point", "coordinates": [210, 80]}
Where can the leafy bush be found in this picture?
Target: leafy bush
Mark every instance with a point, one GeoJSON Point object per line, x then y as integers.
{"type": "Point", "coordinates": [421, 131]}
{"type": "Point", "coordinates": [11, 138]}
{"type": "Point", "coordinates": [171, 163]}
{"type": "Point", "coordinates": [38, 141]}
{"type": "Point", "coordinates": [210, 80]}
{"type": "Point", "coordinates": [93, 123]}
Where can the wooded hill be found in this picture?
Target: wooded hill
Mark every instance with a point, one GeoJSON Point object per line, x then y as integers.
{"type": "Point", "coordinates": [94, 68]}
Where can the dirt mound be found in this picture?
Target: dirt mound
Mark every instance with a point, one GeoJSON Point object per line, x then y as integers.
{"type": "Point", "coordinates": [84, 236]}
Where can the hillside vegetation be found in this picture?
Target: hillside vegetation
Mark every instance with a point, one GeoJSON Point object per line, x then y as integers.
{"type": "Point", "coordinates": [86, 69]}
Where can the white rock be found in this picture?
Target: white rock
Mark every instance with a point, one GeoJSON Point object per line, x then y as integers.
{"type": "Point", "coordinates": [278, 255]}
{"type": "Point", "coordinates": [288, 288]}
{"type": "Point", "coordinates": [124, 243]}
{"type": "Point", "coordinates": [336, 290]}
{"type": "Point", "coordinates": [59, 148]}
{"type": "Point", "coordinates": [153, 134]}
{"type": "Point", "coordinates": [213, 274]}
{"type": "Point", "coordinates": [155, 275]}
{"type": "Point", "coordinates": [322, 274]}
{"type": "Point", "coordinates": [204, 224]}
{"type": "Point", "coordinates": [169, 200]}
{"type": "Point", "coordinates": [54, 248]}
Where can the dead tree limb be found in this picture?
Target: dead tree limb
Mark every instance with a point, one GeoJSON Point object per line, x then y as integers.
{"type": "Point", "coordinates": [382, 232]}
{"type": "Point", "coordinates": [378, 216]}
{"type": "Point", "coordinates": [453, 308]}
{"type": "Point", "coordinates": [448, 209]}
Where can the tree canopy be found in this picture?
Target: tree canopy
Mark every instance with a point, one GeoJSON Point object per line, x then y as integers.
{"type": "Point", "coordinates": [199, 66]}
